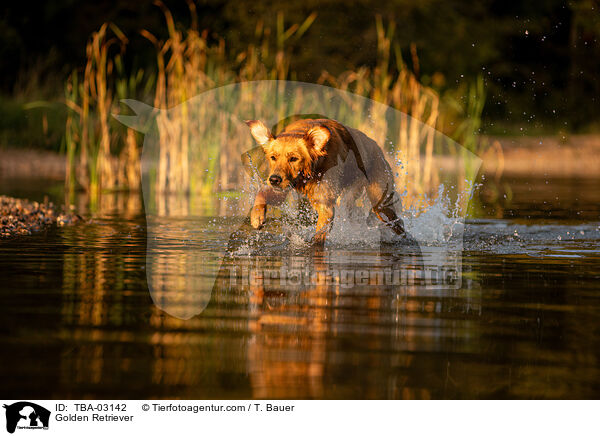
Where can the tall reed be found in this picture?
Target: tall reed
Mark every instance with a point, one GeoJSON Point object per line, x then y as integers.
{"type": "Point", "coordinates": [397, 87]}
{"type": "Point", "coordinates": [102, 155]}
{"type": "Point", "coordinates": [188, 66]}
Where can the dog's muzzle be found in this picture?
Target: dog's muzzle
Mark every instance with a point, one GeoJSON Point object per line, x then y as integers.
{"type": "Point", "coordinates": [275, 180]}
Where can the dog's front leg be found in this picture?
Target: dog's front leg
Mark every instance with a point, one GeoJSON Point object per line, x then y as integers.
{"type": "Point", "coordinates": [326, 213]}
{"type": "Point", "coordinates": [267, 195]}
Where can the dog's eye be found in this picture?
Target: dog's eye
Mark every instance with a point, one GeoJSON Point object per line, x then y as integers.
{"type": "Point", "coordinates": [293, 159]}
{"type": "Point", "coordinates": [273, 158]}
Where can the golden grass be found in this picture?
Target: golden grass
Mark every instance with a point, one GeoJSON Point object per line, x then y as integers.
{"type": "Point", "coordinates": [400, 89]}
{"type": "Point", "coordinates": [103, 156]}
{"type": "Point", "coordinates": [94, 159]}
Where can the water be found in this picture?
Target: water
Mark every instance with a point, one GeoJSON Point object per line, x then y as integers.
{"type": "Point", "coordinates": [521, 320]}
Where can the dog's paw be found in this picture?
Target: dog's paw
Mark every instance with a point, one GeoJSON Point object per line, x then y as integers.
{"type": "Point", "coordinates": [257, 216]}
{"type": "Point", "coordinates": [318, 240]}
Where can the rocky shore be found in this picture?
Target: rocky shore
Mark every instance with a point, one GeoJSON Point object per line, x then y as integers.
{"type": "Point", "coordinates": [22, 217]}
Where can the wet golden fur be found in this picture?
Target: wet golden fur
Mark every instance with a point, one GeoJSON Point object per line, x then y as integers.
{"type": "Point", "coordinates": [321, 159]}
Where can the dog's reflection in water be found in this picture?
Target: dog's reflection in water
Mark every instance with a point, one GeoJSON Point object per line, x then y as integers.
{"type": "Point", "coordinates": [309, 311]}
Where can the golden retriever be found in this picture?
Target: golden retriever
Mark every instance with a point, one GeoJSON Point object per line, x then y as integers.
{"type": "Point", "coordinates": [322, 159]}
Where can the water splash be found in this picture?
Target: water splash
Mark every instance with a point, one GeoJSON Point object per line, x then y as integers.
{"type": "Point", "coordinates": [438, 222]}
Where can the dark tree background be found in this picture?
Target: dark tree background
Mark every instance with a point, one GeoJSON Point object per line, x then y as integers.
{"type": "Point", "coordinates": [540, 59]}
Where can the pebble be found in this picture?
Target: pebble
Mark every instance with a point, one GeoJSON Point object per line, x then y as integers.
{"type": "Point", "coordinates": [22, 217]}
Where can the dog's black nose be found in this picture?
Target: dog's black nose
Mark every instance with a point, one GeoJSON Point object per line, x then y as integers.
{"type": "Point", "coordinates": [275, 180]}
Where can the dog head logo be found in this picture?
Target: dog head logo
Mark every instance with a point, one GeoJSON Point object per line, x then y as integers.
{"type": "Point", "coordinates": [26, 415]}
{"type": "Point", "coordinates": [198, 192]}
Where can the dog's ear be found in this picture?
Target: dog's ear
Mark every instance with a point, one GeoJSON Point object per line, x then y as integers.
{"type": "Point", "coordinates": [259, 131]}
{"type": "Point", "coordinates": [318, 137]}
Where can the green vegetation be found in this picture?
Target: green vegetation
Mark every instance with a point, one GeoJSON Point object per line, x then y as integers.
{"type": "Point", "coordinates": [31, 124]}
{"type": "Point", "coordinates": [104, 155]}
{"type": "Point", "coordinates": [537, 60]}
{"type": "Point", "coordinates": [444, 64]}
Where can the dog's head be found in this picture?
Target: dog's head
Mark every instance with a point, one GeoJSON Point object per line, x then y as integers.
{"type": "Point", "coordinates": [292, 154]}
